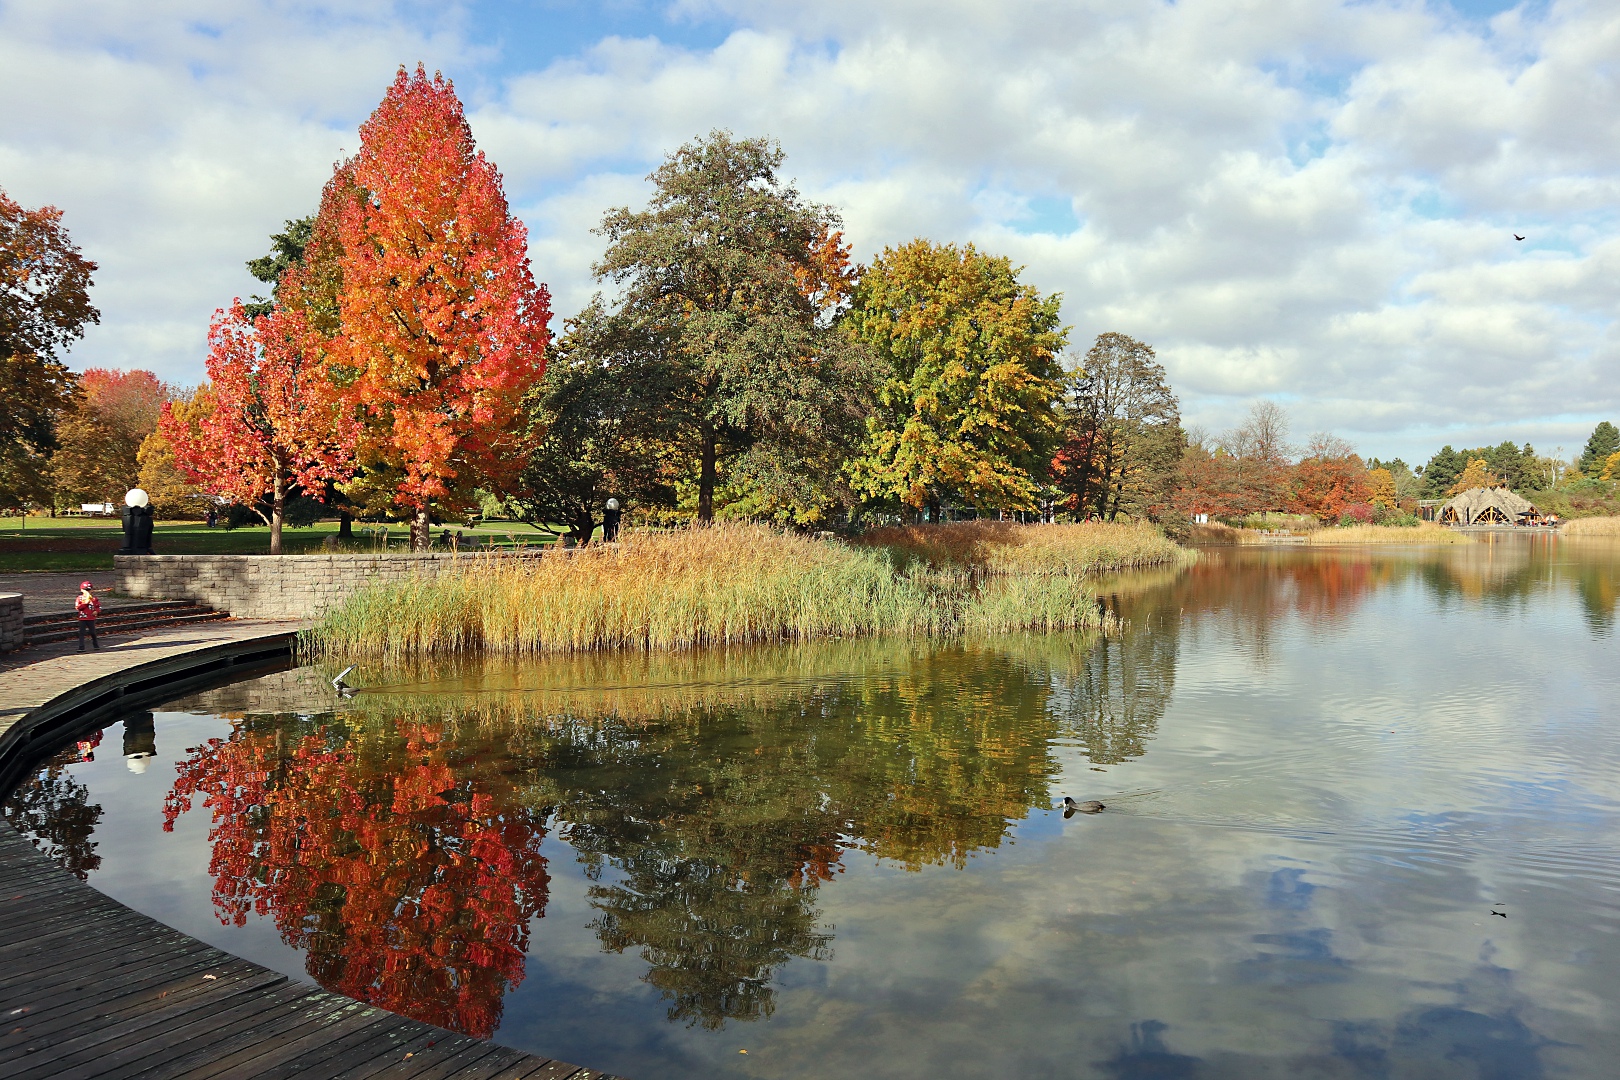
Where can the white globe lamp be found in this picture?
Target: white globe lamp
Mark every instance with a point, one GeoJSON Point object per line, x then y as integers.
{"type": "Point", "coordinates": [136, 497]}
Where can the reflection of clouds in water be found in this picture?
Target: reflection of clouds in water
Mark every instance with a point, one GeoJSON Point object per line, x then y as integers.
{"type": "Point", "coordinates": [1345, 764]}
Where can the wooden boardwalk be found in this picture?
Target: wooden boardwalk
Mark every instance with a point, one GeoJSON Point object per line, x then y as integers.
{"type": "Point", "coordinates": [92, 989]}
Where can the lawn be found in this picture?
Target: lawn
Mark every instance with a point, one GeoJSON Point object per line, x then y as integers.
{"type": "Point", "coordinates": [88, 544]}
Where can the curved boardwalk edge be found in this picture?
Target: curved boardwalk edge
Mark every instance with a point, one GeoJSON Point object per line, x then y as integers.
{"type": "Point", "coordinates": [92, 989]}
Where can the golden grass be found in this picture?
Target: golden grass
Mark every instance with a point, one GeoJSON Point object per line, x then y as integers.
{"type": "Point", "coordinates": [1592, 526]}
{"type": "Point", "coordinates": [729, 584]}
{"type": "Point", "coordinates": [1425, 533]}
{"type": "Point", "coordinates": [1006, 547]}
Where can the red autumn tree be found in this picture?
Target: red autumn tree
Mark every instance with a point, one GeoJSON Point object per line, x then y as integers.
{"type": "Point", "coordinates": [402, 862]}
{"type": "Point", "coordinates": [1328, 479]}
{"type": "Point", "coordinates": [277, 421]}
{"type": "Point", "coordinates": [440, 319]}
{"type": "Point", "coordinates": [101, 434]}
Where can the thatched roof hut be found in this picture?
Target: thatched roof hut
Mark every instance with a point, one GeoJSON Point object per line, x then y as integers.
{"type": "Point", "coordinates": [1487, 506]}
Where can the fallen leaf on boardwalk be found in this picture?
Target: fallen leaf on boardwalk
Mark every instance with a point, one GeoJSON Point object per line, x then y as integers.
{"type": "Point", "coordinates": [210, 976]}
{"type": "Point", "coordinates": [409, 1056]}
{"type": "Point", "coordinates": [15, 1012]}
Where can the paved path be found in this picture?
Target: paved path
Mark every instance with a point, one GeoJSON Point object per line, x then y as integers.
{"type": "Point", "coordinates": [92, 990]}
{"type": "Point", "coordinates": [31, 677]}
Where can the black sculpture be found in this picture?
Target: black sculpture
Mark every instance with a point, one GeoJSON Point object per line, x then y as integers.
{"type": "Point", "coordinates": [137, 531]}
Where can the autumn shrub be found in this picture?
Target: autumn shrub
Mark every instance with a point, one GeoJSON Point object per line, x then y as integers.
{"type": "Point", "coordinates": [1356, 514]}
{"type": "Point", "coordinates": [727, 584]}
{"type": "Point", "coordinates": [1006, 547]}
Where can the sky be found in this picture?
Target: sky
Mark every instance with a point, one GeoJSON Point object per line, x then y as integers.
{"type": "Point", "coordinates": [1309, 201]}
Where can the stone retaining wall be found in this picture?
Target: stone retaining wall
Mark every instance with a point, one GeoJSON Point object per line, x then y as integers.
{"type": "Point", "coordinates": [13, 632]}
{"type": "Point", "coordinates": [274, 586]}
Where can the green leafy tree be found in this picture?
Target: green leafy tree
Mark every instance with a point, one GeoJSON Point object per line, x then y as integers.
{"type": "Point", "coordinates": [44, 307]}
{"type": "Point", "coordinates": [1604, 441]}
{"type": "Point", "coordinates": [743, 277]}
{"type": "Point", "coordinates": [1123, 440]}
{"type": "Point", "coordinates": [607, 421]}
{"type": "Point", "coordinates": [968, 409]}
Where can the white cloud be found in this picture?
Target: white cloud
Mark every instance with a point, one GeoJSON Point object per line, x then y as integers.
{"type": "Point", "coordinates": [1302, 198]}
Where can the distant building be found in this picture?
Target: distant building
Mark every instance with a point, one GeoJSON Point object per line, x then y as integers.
{"type": "Point", "coordinates": [1488, 506]}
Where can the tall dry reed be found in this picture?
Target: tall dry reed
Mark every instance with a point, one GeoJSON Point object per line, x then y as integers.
{"type": "Point", "coordinates": [1592, 526]}
{"type": "Point", "coordinates": [727, 584]}
{"type": "Point", "coordinates": [1425, 533]}
{"type": "Point", "coordinates": [1006, 547]}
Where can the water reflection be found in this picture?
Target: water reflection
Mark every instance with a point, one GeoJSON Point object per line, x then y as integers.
{"type": "Point", "coordinates": [854, 841]}
{"type": "Point", "coordinates": [400, 856]}
{"type": "Point", "coordinates": [54, 809]}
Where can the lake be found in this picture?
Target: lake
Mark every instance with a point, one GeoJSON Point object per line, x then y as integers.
{"type": "Point", "coordinates": [1361, 821]}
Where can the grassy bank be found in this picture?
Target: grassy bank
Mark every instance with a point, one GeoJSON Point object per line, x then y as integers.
{"type": "Point", "coordinates": [1425, 533]}
{"type": "Point", "coordinates": [731, 585]}
{"type": "Point", "coordinates": [88, 544]}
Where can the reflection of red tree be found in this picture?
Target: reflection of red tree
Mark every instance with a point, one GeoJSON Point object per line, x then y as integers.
{"type": "Point", "coordinates": [401, 862]}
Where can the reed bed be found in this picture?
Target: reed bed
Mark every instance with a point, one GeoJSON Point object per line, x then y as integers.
{"type": "Point", "coordinates": [1424, 533]}
{"type": "Point", "coordinates": [1006, 547]}
{"type": "Point", "coordinates": [1592, 526]}
{"type": "Point", "coordinates": [731, 584]}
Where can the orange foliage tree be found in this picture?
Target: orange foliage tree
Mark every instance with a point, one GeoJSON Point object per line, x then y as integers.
{"type": "Point", "coordinates": [399, 861]}
{"type": "Point", "coordinates": [441, 326]}
{"type": "Point", "coordinates": [277, 419]}
{"type": "Point", "coordinates": [1328, 479]}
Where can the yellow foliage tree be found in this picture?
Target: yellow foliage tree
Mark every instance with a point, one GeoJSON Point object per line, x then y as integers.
{"type": "Point", "coordinates": [1611, 467]}
{"type": "Point", "coordinates": [1477, 475]}
{"type": "Point", "coordinates": [1381, 488]}
{"type": "Point", "coordinates": [172, 495]}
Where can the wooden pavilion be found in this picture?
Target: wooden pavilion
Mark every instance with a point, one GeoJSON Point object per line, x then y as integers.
{"type": "Point", "coordinates": [1488, 506]}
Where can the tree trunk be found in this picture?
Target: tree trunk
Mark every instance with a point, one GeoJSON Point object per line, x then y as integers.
{"type": "Point", "coordinates": [705, 513]}
{"type": "Point", "coordinates": [278, 510]}
{"type": "Point", "coordinates": [421, 529]}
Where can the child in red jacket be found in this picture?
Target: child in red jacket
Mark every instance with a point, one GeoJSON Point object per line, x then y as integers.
{"type": "Point", "coordinates": [88, 607]}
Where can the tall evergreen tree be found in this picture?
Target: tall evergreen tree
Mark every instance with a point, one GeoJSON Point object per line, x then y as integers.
{"type": "Point", "coordinates": [1605, 440]}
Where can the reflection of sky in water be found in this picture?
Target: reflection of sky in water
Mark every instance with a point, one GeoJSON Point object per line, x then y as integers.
{"type": "Point", "coordinates": [1336, 767]}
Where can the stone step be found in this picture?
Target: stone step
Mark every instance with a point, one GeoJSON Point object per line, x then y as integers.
{"type": "Point", "coordinates": [110, 610]}
{"type": "Point", "coordinates": [104, 628]}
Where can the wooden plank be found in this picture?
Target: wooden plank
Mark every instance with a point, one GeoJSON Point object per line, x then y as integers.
{"type": "Point", "coordinates": [447, 1054]}
{"type": "Point", "coordinates": [332, 1056]}
{"type": "Point", "coordinates": [107, 997]}
{"type": "Point", "coordinates": [242, 1043]}
{"type": "Point", "coordinates": [134, 1051]}
{"type": "Point", "coordinates": [383, 1043]}
{"type": "Point", "coordinates": [116, 1003]}
{"type": "Point", "coordinates": [96, 1050]}
{"type": "Point", "coordinates": [339, 1027]}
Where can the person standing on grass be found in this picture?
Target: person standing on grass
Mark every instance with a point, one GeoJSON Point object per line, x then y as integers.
{"type": "Point", "coordinates": [88, 607]}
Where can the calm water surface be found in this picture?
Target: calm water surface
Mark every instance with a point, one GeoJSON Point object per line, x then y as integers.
{"type": "Point", "coordinates": [1326, 772]}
